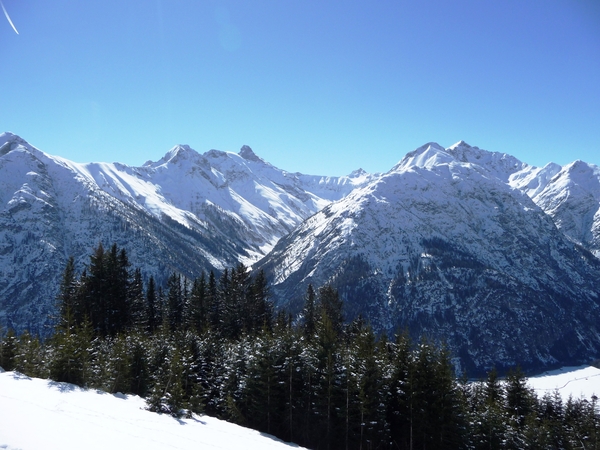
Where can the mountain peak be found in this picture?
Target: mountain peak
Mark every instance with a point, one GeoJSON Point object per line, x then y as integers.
{"type": "Point", "coordinates": [426, 156]}
{"type": "Point", "coordinates": [179, 153]}
{"type": "Point", "coordinates": [9, 141]}
{"type": "Point", "coordinates": [357, 173]}
{"type": "Point", "coordinates": [247, 153]}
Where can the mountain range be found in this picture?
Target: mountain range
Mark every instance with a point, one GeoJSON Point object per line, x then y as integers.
{"type": "Point", "coordinates": [497, 258]}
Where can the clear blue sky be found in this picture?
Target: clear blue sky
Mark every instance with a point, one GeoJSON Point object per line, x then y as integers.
{"type": "Point", "coordinates": [320, 87]}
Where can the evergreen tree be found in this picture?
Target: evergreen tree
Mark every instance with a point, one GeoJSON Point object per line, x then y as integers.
{"type": "Point", "coordinates": [309, 312]}
{"type": "Point", "coordinates": [263, 393]}
{"type": "Point", "coordinates": [8, 350]}
{"type": "Point", "coordinates": [489, 411]}
{"type": "Point", "coordinates": [328, 381]}
{"type": "Point", "coordinates": [137, 302]}
{"type": "Point", "coordinates": [152, 307]}
{"type": "Point", "coordinates": [237, 312]}
{"type": "Point", "coordinates": [215, 304]}
{"type": "Point", "coordinates": [69, 306]}
{"type": "Point", "coordinates": [105, 287]}
{"type": "Point", "coordinates": [331, 306]}
{"type": "Point", "coordinates": [70, 355]}
{"type": "Point", "coordinates": [139, 373]}
{"type": "Point", "coordinates": [519, 397]}
{"type": "Point", "coordinates": [259, 309]}
{"type": "Point", "coordinates": [29, 356]}
{"type": "Point", "coordinates": [198, 311]}
{"type": "Point", "coordinates": [399, 405]}
{"type": "Point", "coordinates": [175, 302]}
{"type": "Point", "coordinates": [370, 390]}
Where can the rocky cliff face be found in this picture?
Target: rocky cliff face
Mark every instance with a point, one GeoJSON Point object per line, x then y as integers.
{"type": "Point", "coordinates": [443, 246]}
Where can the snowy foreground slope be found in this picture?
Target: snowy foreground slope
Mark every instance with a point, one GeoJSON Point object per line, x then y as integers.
{"type": "Point", "coordinates": [44, 415]}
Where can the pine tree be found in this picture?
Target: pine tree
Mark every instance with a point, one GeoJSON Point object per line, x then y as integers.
{"type": "Point", "coordinates": [29, 356]}
{"type": "Point", "coordinates": [137, 302]}
{"type": "Point", "coordinates": [519, 397]}
{"type": "Point", "coordinates": [491, 415]}
{"type": "Point", "coordinates": [399, 405]}
{"type": "Point", "coordinates": [70, 355]}
{"type": "Point", "coordinates": [370, 398]}
{"type": "Point", "coordinates": [215, 304]}
{"type": "Point", "coordinates": [175, 302]}
{"type": "Point", "coordinates": [198, 311]}
{"type": "Point", "coordinates": [331, 306]}
{"type": "Point", "coordinates": [69, 307]}
{"type": "Point", "coordinates": [8, 350]}
{"type": "Point", "coordinates": [328, 380]}
{"type": "Point", "coordinates": [262, 391]}
{"type": "Point", "coordinates": [139, 366]}
{"type": "Point", "coordinates": [237, 312]}
{"type": "Point", "coordinates": [105, 287]}
{"type": "Point", "coordinates": [309, 312]}
{"type": "Point", "coordinates": [259, 309]}
{"type": "Point", "coordinates": [152, 307]}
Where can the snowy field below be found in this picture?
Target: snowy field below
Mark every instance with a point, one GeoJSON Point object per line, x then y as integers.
{"type": "Point", "coordinates": [44, 415]}
{"type": "Point", "coordinates": [582, 381]}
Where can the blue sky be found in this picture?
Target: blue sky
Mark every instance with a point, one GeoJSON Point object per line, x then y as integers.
{"type": "Point", "coordinates": [320, 87]}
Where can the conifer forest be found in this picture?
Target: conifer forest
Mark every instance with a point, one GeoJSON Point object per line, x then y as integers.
{"type": "Point", "coordinates": [216, 345]}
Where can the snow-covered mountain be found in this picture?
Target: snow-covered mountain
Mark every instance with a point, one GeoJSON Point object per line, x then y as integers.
{"type": "Point", "coordinates": [570, 195]}
{"type": "Point", "coordinates": [470, 246]}
{"type": "Point", "coordinates": [186, 212]}
{"type": "Point", "coordinates": [443, 245]}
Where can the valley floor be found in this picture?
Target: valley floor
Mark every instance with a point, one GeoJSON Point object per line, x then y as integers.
{"type": "Point", "coordinates": [581, 381]}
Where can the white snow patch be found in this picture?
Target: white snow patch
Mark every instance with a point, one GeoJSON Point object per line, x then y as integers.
{"type": "Point", "coordinates": [581, 381]}
{"type": "Point", "coordinates": [44, 415]}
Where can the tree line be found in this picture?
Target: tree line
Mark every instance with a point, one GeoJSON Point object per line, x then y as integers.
{"type": "Point", "coordinates": [215, 345]}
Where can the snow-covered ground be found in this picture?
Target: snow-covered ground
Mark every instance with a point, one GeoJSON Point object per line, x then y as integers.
{"type": "Point", "coordinates": [44, 415]}
{"type": "Point", "coordinates": [581, 381]}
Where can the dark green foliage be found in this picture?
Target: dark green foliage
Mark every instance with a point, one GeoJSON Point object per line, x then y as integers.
{"type": "Point", "coordinates": [69, 358]}
{"type": "Point", "coordinates": [153, 308]}
{"type": "Point", "coordinates": [29, 356]}
{"type": "Point", "coordinates": [519, 398]}
{"type": "Point", "coordinates": [103, 294]}
{"type": "Point", "coordinates": [68, 299]}
{"type": "Point", "coordinates": [309, 312]}
{"type": "Point", "coordinates": [331, 306]}
{"type": "Point", "coordinates": [175, 302]}
{"type": "Point", "coordinates": [138, 313]}
{"type": "Point", "coordinates": [8, 350]}
{"type": "Point", "coordinates": [198, 316]}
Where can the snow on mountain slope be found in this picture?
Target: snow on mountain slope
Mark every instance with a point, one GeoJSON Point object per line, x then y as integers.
{"type": "Point", "coordinates": [40, 414]}
{"type": "Point", "coordinates": [185, 213]}
{"type": "Point", "coordinates": [445, 247]}
{"type": "Point", "coordinates": [571, 196]}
